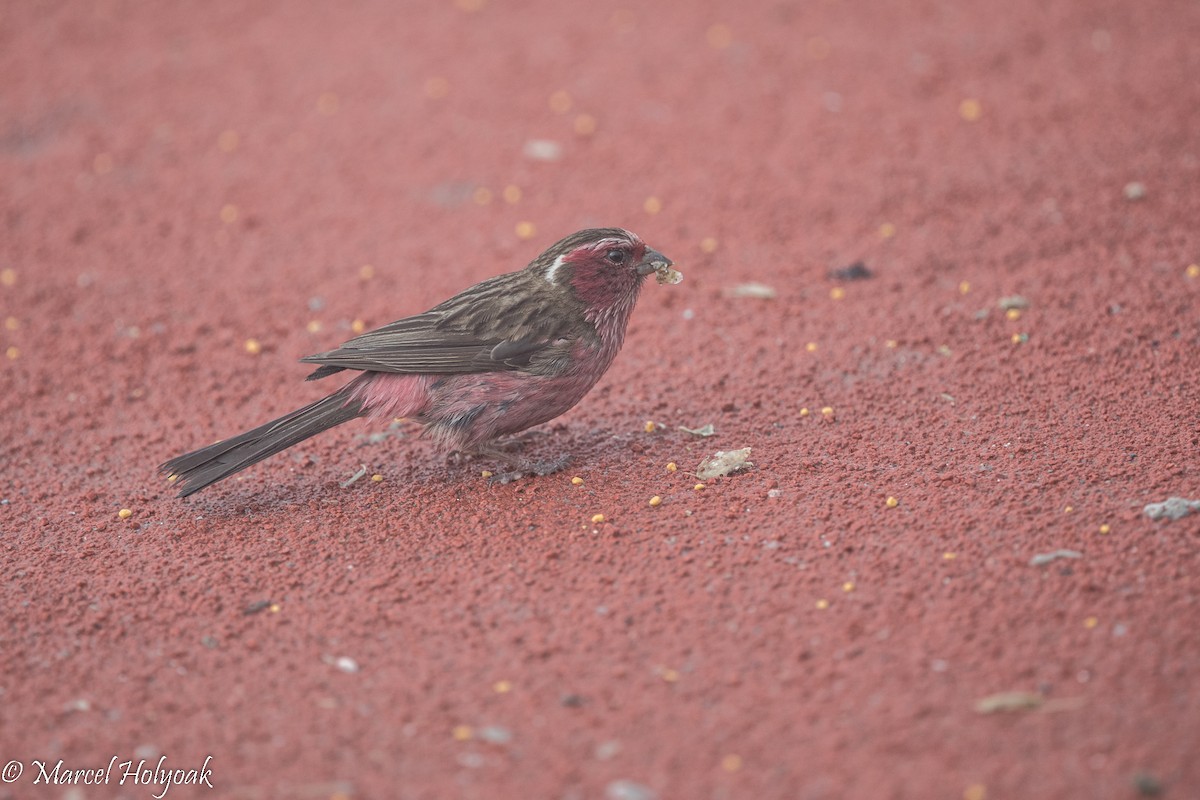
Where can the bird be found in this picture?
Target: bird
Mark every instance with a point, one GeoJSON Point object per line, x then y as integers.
{"type": "Point", "coordinates": [509, 353]}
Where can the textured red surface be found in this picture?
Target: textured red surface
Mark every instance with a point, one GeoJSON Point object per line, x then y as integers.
{"type": "Point", "coordinates": [779, 634]}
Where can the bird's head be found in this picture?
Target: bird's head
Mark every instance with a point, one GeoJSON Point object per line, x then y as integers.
{"type": "Point", "coordinates": [604, 267]}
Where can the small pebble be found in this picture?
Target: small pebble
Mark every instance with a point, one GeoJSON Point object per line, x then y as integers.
{"type": "Point", "coordinates": [495, 734]}
{"type": "Point", "coordinates": [1135, 190]}
{"type": "Point", "coordinates": [629, 790]}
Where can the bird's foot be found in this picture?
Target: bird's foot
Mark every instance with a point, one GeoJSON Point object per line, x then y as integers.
{"type": "Point", "coordinates": [524, 468]}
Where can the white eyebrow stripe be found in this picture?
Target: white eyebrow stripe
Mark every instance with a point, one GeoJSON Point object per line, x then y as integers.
{"type": "Point", "coordinates": [558, 262]}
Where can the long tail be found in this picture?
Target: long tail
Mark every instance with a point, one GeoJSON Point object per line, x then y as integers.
{"type": "Point", "coordinates": [193, 471]}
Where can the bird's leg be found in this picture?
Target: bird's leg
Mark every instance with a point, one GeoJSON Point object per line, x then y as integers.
{"type": "Point", "coordinates": [518, 467]}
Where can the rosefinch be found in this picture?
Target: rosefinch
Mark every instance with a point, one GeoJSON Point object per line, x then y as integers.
{"type": "Point", "coordinates": [505, 355]}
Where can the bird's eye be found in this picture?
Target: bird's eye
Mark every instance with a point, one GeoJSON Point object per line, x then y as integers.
{"type": "Point", "coordinates": [616, 256]}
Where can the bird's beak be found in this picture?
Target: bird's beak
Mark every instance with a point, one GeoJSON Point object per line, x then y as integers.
{"type": "Point", "coordinates": [653, 261]}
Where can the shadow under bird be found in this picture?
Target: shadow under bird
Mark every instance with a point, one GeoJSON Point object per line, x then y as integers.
{"type": "Point", "coordinates": [506, 354]}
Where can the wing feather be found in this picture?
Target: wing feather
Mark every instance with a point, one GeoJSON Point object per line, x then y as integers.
{"type": "Point", "coordinates": [498, 325]}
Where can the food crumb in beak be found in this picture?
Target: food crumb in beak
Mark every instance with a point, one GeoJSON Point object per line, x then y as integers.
{"type": "Point", "coordinates": [667, 275]}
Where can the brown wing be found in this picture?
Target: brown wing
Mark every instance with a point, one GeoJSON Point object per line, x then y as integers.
{"type": "Point", "coordinates": [511, 322]}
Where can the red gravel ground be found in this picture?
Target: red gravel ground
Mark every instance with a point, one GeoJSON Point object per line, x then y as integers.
{"type": "Point", "coordinates": [180, 178]}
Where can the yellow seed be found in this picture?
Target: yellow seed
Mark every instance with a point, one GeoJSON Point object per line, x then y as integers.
{"type": "Point", "coordinates": [377, 478]}
{"type": "Point", "coordinates": [227, 142]}
{"type": "Point", "coordinates": [964, 287]}
{"type": "Point", "coordinates": [462, 733]}
{"type": "Point", "coordinates": [970, 109]}
{"type": "Point", "coordinates": [672, 466]}
{"type": "Point", "coordinates": [12, 323]}
{"type": "Point", "coordinates": [1013, 313]}
{"type": "Point", "coordinates": [502, 687]}
{"type": "Point", "coordinates": [1017, 338]}
{"type": "Point", "coordinates": [827, 411]}
{"type": "Point", "coordinates": [891, 344]}
{"type": "Point", "coordinates": [124, 513]}
{"type": "Point", "coordinates": [327, 104]}
{"type": "Point", "coordinates": [366, 272]}
{"type": "Point", "coordinates": [1105, 529]}
{"type": "Point", "coordinates": [577, 481]}
{"type": "Point", "coordinates": [8, 276]}
{"type": "Point", "coordinates": [13, 353]}
{"type": "Point", "coordinates": [229, 213]}
{"type": "Point", "coordinates": [1091, 622]}
{"type": "Point", "coordinates": [822, 604]}
{"type": "Point", "coordinates": [275, 608]}
{"type": "Point", "coordinates": [560, 102]}
{"type": "Point", "coordinates": [837, 293]}
{"type": "Point", "coordinates": [817, 48]}
{"type": "Point", "coordinates": [482, 196]}
{"type": "Point", "coordinates": [731, 762]}
{"type": "Point", "coordinates": [437, 88]}
{"type": "Point", "coordinates": [102, 164]}
{"type": "Point", "coordinates": [892, 502]}
{"type": "Point", "coordinates": [512, 194]}
{"type": "Point", "coordinates": [253, 347]}
{"type": "Point", "coordinates": [811, 347]}
{"type": "Point", "coordinates": [670, 675]}
{"type": "Point", "coordinates": [976, 791]}
{"type": "Point", "coordinates": [487, 473]}
{"type": "Point", "coordinates": [585, 125]}
{"type": "Point", "coordinates": [649, 427]}
{"type": "Point", "coordinates": [358, 326]}
{"type": "Point", "coordinates": [1193, 271]}
{"type": "Point", "coordinates": [708, 245]}
{"type": "Point", "coordinates": [804, 412]}
{"type": "Point", "coordinates": [719, 36]}
{"type": "Point", "coordinates": [172, 478]}
{"type": "Point", "coordinates": [848, 586]}
{"type": "Point", "coordinates": [652, 205]}
{"type": "Point", "coordinates": [887, 230]}
{"type": "Point", "coordinates": [949, 556]}
{"type": "Point", "coordinates": [314, 326]}
{"type": "Point", "coordinates": [655, 501]}
{"type": "Point", "coordinates": [1068, 509]}
{"type": "Point", "coordinates": [526, 230]}
{"type": "Point", "coordinates": [597, 519]}
{"type": "Point", "coordinates": [698, 487]}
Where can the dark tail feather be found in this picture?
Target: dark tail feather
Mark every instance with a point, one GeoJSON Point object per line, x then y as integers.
{"type": "Point", "coordinates": [193, 471]}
